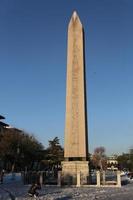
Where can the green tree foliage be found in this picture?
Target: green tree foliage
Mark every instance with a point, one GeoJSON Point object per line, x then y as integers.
{"type": "Point", "coordinates": [55, 151]}
{"type": "Point", "coordinates": [131, 159]}
{"type": "Point", "coordinates": [126, 161]}
{"type": "Point", "coordinates": [19, 149]}
{"type": "Point", "coordinates": [123, 161]}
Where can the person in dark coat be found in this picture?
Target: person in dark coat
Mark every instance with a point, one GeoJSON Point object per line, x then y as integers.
{"type": "Point", "coordinates": [33, 190]}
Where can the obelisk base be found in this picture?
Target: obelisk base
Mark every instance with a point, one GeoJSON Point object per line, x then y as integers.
{"type": "Point", "coordinates": [70, 170]}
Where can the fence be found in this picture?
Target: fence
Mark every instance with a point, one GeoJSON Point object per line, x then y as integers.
{"type": "Point", "coordinates": [44, 177]}
{"type": "Point", "coordinates": [97, 178]}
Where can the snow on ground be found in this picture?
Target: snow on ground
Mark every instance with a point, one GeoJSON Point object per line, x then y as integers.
{"type": "Point", "coordinates": [63, 193]}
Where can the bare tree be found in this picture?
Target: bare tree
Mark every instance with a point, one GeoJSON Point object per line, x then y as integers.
{"type": "Point", "coordinates": [99, 158]}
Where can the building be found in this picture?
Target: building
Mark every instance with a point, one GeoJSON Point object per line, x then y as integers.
{"type": "Point", "coordinates": [112, 163]}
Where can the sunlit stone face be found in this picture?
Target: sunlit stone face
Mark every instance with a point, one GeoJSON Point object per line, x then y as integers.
{"type": "Point", "coordinates": [75, 127]}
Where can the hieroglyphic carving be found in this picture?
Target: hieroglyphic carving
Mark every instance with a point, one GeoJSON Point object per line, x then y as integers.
{"type": "Point", "coordinates": [75, 150]}
{"type": "Point", "coordinates": [75, 91]}
{"type": "Point", "coordinates": [75, 129]}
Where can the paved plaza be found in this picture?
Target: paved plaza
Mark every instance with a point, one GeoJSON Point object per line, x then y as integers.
{"type": "Point", "coordinates": [63, 193]}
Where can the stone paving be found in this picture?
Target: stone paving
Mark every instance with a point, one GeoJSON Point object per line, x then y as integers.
{"type": "Point", "coordinates": [63, 193]}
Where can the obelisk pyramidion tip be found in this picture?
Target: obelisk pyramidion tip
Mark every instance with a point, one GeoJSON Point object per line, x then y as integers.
{"type": "Point", "coordinates": [74, 20]}
{"type": "Point", "coordinates": [74, 15]}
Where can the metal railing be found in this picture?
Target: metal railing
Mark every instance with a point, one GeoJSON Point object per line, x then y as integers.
{"type": "Point", "coordinates": [43, 177]}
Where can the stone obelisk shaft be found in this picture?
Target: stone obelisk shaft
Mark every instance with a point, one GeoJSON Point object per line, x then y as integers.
{"type": "Point", "coordinates": [76, 122]}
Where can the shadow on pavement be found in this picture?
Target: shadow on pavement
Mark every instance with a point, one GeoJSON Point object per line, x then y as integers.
{"type": "Point", "coordinates": [10, 194]}
{"type": "Point", "coordinates": [64, 198]}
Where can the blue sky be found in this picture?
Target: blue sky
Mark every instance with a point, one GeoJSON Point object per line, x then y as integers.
{"type": "Point", "coordinates": [33, 46]}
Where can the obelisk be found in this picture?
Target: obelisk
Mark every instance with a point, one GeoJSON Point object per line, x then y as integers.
{"type": "Point", "coordinates": [76, 140]}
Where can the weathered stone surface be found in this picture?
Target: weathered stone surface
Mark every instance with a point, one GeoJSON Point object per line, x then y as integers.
{"type": "Point", "coordinates": [71, 168]}
{"type": "Point", "coordinates": [76, 148]}
{"type": "Point", "coordinates": [76, 123]}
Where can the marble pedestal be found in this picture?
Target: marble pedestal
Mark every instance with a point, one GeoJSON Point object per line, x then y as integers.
{"type": "Point", "coordinates": [70, 170]}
